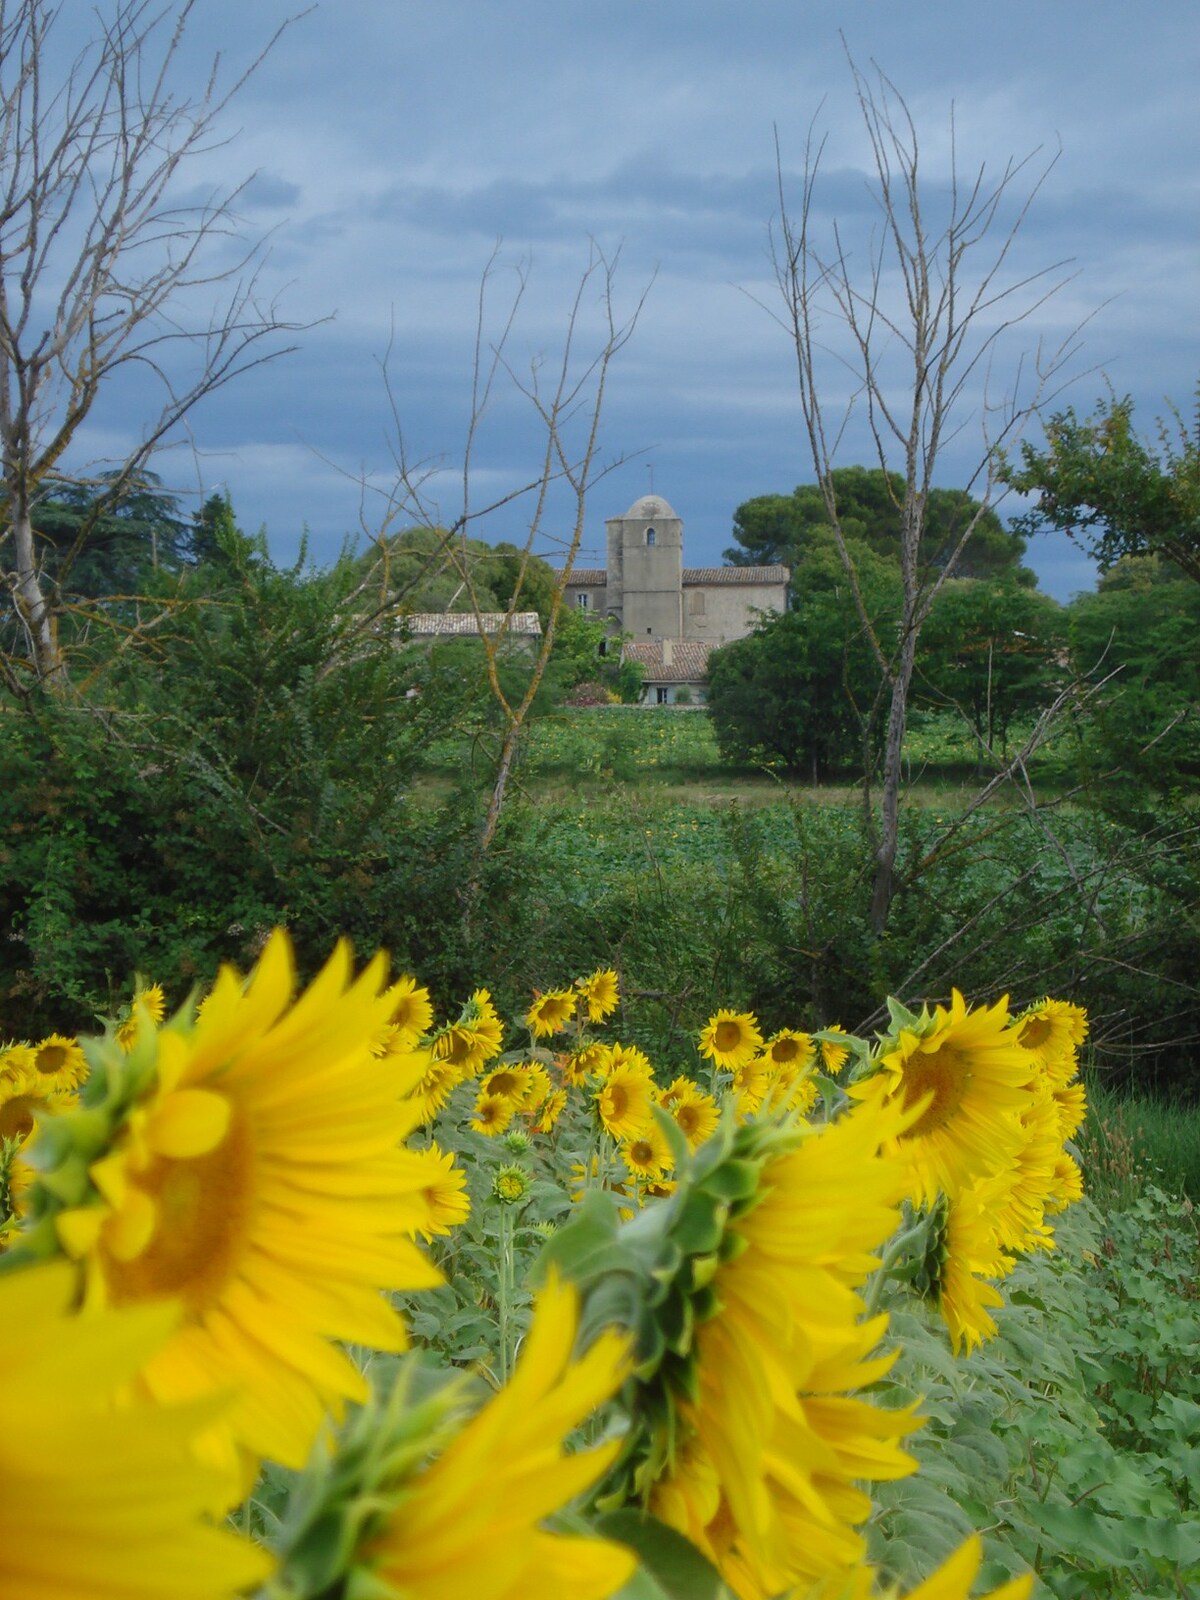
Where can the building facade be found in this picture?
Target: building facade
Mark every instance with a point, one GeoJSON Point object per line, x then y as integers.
{"type": "Point", "coordinates": [674, 615]}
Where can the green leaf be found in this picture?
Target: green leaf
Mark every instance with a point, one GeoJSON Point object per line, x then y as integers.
{"type": "Point", "coordinates": [673, 1562]}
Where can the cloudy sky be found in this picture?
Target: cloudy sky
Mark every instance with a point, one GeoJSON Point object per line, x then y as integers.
{"type": "Point", "coordinates": [399, 145]}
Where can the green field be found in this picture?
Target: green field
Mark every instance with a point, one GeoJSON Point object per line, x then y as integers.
{"type": "Point", "coordinates": [662, 748]}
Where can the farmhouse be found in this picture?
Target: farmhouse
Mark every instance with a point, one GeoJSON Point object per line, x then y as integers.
{"type": "Point", "coordinates": [673, 615]}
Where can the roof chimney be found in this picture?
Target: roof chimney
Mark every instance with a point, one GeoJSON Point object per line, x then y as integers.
{"type": "Point", "coordinates": [668, 652]}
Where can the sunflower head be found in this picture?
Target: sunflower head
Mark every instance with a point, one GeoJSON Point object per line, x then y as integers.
{"type": "Point", "coordinates": [412, 1012]}
{"type": "Point", "coordinates": [575, 1067]}
{"type": "Point", "coordinates": [600, 993]}
{"type": "Point", "coordinates": [221, 1162]}
{"type": "Point", "coordinates": [654, 1275]}
{"type": "Point", "coordinates": [511, 1184]}
{"type": "Point", "coordinates": [59, 1062]}
{"type": "Point", "coordinates": [432, 1493]}
{"type": "Point", "coordinates": [552, 1012]}
{"type": "Point", "coordinates": [1052, 1031]}
{"type": "Point", "coordinates": [730, 1038]}
{"type": "Point", "coordinates": [788, 1050]}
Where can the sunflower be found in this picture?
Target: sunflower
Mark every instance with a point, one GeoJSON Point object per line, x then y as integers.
{"type": "Point", "coordinates": [750, 1432]}
{"type": "Point", "coordinates": [412, 1012]}
{"type": "Point", "coordinates": [965, 1076]}
{"type": "Point", "coordinates": [629, 1057]}
{"type": "Point", "coordinates": [511, 1184]}
{"type": "Point", "coordinates": [970, 1256]}
{"type": "Point", "coordinates": [433, 1081]}
{"type": "Point", "coordinates": [696, 1114]}
{"type": "Point", "coordinates": [772, 1421]}
{"type": "Point", "coordinates": [471, 1521]}
{"type": "Point", "coordinates": [149, 1004]}
{"type": "Point", "coordinates": [588, 1061]}
{"type": "Point", "coordinates": [248, 1164]}
{"type": "Point", "coordinates": [551, 1012]}
{"type": "Point", "coordinates": [623, 1102]}
{"type": "Point", "coordinates": [98, 1501]}
{"type": "Point", "coordinates": [1070, 1105]}
{"type": "Point", "coordinates": [790, 1050]}
{"type": "Point", "coordinates": [16, 1058]}
{"type": "Point", "coordinates": [447, 1203]}
{"type": "Point", "coordinates": [1021, 1188]}
{"type": "Point", "coordinates": [1052, 1031]}
{"type": "Point", "coordinates": [792, 1093]}
{"type": "Point", "coordinates": [833, 1053]}
{"type": "Point", "coordinates": [26, 1095]}
{"type": "Point", "coordinates": [506, 1083]}
{"type": "Point", "coordinates": [59, 1062]}
{"type": "Point", "coordinates": [493, 1113]}
{"type": "Point", "coordinates": [751, 1080]}
{"type": "Point", "coordinates": [730, 1038]}
{"type": "Point", "coordinates": [551, 1109]}
{"type": "Point", "coordinates": [538, 1090]}
{"type": "Point", "coordinates": [599, 993]}
{"type": "Point", "coordinates": [470, 1042]}
{"type": "Point", "coordinates": [1066, 1186]}
{"type": "Point", "coordinates": [648, 1155]}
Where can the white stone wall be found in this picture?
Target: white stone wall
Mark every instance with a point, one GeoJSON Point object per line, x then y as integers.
{"type": "Point", "coordinates": [716, 613]}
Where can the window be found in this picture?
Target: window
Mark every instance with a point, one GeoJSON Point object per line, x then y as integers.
{"type": "Point", "coordinates": [662, 695]}
{"type": "Point", "coordinates": [650, 535]}
{"type": "Point", "coordinates": [583, 601]}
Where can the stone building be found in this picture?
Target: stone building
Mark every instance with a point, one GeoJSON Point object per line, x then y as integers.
{"type": "Point", "coordinates": [674, 615]}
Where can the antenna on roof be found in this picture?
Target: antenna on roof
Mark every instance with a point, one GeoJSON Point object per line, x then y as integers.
{"type": "Point", "coordinates": [650, 470]}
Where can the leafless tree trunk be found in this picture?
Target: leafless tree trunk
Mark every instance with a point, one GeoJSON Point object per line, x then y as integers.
{"type": "Point", "coordinates": [916, 321]}
{"type": "Point", "coordinates": [102, 265]}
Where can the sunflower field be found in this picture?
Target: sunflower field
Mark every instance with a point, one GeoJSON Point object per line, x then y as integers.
{"type": "Point", "coordinates": [314, 1294]}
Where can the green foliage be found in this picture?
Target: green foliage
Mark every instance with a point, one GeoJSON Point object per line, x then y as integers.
{"type": "Point", "coordinates": [253, 772]}
{"type": "Point", "coordinates": [1070, 1439]}
{"type": "Point", "coordinates": [1117, 495]}
{"type": "Point", "coordinates": [431, 569]}
{"type": "Point", "coordinates": [991, 650]}
{"type": "Point", "coordinates": [99, 539]}
{"type": "Point", "coordinates": [801, 690]}
{"type": "Point", "coordinates": [1144, 728]}
{"type": "Point", "coordinates": [794, 528]}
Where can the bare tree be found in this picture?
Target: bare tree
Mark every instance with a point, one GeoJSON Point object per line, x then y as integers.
{"type": "Point", "coordinates": [104, 265]}
{"type": "Point", "coordinates": [550, 502]}
{"type": "Point", "coordinates": [917, 321]}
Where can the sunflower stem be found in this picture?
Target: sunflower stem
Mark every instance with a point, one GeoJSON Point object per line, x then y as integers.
{"type": "Point", "coordinates": [898, 1247]}
{"type": "Point", "coordinates": [504, 1289]}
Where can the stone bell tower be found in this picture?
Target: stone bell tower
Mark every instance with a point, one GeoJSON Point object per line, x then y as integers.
{"type": "Point", "coordinates": [645, 570]}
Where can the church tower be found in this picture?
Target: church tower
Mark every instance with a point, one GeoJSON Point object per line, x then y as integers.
{"type": "Point", "coordinates": [645, 570]}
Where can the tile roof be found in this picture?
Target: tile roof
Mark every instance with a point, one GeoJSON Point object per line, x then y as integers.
{"type": "Point", "coordinates": [777, 574]}
{"type": "Point", "coordinates": [588, 577]}
{"type": "Point", "coordinates": [423, 624]}
{"type": "Point", "coordinates": [689, 661]}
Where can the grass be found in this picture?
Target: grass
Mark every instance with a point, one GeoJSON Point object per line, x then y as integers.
{"type": "Point", "coordinates": [1131, 1140]}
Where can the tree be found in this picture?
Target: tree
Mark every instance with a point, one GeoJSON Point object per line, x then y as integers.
{"type": "Point", "coordinates": [919, 317]}
{"type": "Point", "coordinates": [798, 691]}
{"type": "Point", "coordinates": [1145, 728]}
{"type": "Point", "coordinates": [1097, 482]}
{"type": "Point", "coordinates": [214, 534]}
{"type": "Point", "coordinates": [89, 545]}
{"type": "Point", "coordinates": [992, 651]}
{"type": "Point", "coordinates": [104, 265]}
{"type": "Point", "coordinates": [787, 528]}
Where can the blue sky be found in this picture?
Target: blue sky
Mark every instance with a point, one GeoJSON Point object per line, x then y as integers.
{"type": "Point", "coordinates": [395, 142]}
